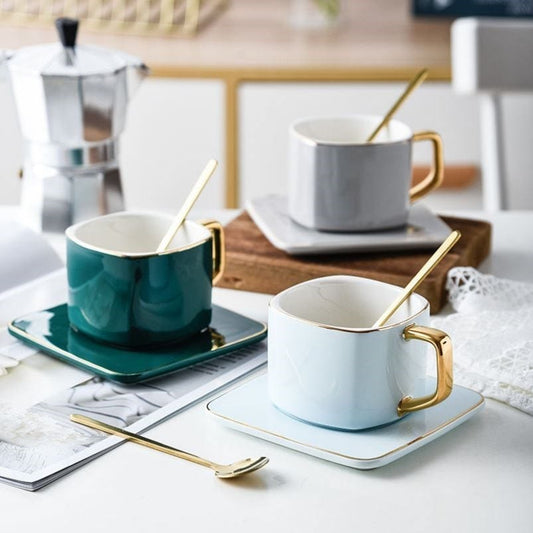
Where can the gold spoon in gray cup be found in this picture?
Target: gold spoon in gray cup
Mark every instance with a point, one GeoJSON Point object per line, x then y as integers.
{"type": "Point", "coordinates": [413, 84]}
{"type": "Point", "coordinates": [232, 470]}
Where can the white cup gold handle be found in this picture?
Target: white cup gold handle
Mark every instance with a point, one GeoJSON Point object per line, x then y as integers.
{"type": "Point", "coordinates": [444, 352]}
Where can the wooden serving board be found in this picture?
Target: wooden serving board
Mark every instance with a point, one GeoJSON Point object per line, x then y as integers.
{"type": "Point", "coordinates": [254, 264]}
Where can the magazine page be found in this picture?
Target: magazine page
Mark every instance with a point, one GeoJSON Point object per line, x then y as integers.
{"type": "Point", "coordinates": [40, 444]}
{"type": "Point", "coordinates": [26, 255]}
{"type": "Point", "coordinates": [22, 364]}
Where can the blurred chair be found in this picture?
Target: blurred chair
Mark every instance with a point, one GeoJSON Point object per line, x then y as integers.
{"type": "Point", "coordinates": [491, 57]}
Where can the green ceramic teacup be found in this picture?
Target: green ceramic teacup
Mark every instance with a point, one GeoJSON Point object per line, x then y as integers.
{"type": "Point", "coordinates": [122, 291]}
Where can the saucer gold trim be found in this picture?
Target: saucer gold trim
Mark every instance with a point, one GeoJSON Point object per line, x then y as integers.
{"type": "Point", "coordinates": [106, 371]}
{"type": "Point", "coordinates": [41, 342]}
{"type": "Point", "coordinates": [337, 454]}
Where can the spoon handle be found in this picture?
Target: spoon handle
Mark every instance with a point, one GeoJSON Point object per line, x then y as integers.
{"type": "Point", "coordinates": [415, 82]}
{"type": "Point", "coordinates": [189, 202]}
{"type": "Point", "coordinates": [420, 276]}
{"type": "Point", "coordinates": [138, 439]}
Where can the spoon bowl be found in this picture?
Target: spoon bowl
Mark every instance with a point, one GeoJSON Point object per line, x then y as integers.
{"type": "Point", "coordinates": [237, 469]}
{"type": "Point", "coordinates": [240, 468]}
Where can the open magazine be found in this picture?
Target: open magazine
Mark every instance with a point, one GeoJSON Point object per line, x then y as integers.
{"type": "Point", "coordinates": [38, 442]}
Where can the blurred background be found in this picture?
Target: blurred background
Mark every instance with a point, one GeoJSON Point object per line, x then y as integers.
{"type": "Point", "coordinates": [229, 88]}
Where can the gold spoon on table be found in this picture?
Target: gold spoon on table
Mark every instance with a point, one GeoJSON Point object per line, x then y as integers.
{"type": "Point", "coordinates": [419, 277]}
{"type": "Point", "coordinates": [201, 182]}
{"type": "Point", "coordinates": [232, 470]}
{"type": "Point", "coordinates": [414, 83]}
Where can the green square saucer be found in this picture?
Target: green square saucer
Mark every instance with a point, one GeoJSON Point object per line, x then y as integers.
{"type": "Point", "coordinates": [49, 331]}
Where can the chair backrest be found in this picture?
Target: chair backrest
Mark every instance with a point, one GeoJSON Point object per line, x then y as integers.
{"type": "Point", "coordinates": [492, 54]}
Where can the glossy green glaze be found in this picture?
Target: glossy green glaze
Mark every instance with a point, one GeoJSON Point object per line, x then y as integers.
{"type": "Point", "coordinates": [49, 331]}
{"type": "Point", "coordinates": [140, 301]}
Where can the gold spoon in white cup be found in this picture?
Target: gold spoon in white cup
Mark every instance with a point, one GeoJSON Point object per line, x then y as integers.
{"type": "Point", "coordinates": [419, 277]}
{"type": "Point", "coordinates": [413, 84]}
{"type": "Point", "coordinates": [236, 469]}
{"type": "Point", "coordinates": [201, 182]}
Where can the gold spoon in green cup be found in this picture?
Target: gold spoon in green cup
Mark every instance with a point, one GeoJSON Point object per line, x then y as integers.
{"type": "Point", "coordinates": [178, 221]}
{"type": "Point", "coordinates": [232, 470]}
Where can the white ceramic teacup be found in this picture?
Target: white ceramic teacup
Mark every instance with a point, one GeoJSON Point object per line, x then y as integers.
{"type": "Point", "coordinates": [329, 366]}
{"type": "Point", "coordinates": [339, 182]}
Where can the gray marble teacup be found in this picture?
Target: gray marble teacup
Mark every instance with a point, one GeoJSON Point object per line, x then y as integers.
{"type": "Point", "coordinates": [339, 182]}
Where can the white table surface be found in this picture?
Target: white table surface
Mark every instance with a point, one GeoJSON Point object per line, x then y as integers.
{"type": "Point", "coordinates": [477, 478]}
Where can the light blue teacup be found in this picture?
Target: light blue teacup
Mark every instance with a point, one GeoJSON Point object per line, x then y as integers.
{"type": "Point", "coordinates": [330, 366]}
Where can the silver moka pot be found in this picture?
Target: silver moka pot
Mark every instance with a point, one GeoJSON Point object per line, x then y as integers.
{"type": "Point", "coordinates": [71, 102]}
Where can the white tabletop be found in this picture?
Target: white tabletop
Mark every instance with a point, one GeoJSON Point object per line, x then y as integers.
{"type": "Point", "coordinates": [478, 477]}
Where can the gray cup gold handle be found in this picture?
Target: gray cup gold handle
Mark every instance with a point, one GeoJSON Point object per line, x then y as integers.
{"type": "Point", "coordinates": [434, 178]}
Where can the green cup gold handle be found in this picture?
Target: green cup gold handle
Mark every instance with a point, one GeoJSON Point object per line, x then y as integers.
{"type": "Point", "coordinates": [219, 248]}
{"type": "Point", "coordinates": [434, 178]}
{"type": "Point", "coordinates": [443, 349]}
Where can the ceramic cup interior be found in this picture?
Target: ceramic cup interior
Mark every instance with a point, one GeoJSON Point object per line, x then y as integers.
{"type": "Point", "coordinates": [134, 234]}
{"type": "Point", "coordinates": [350, 130]}
{"type": "Point", "coordinates": [345, 302]}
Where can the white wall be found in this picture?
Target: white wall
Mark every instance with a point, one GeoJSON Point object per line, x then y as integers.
{"type": "Point", "coordinates": [173, 129]}
{"type": "Point", "coordinates": [11, 152]}
{"type": "Point", "coordinates": [175, 126]}
{"type": "Point", "coordinates": [268, 109]}
{"type": "Point", "coordinates": [518, 141]}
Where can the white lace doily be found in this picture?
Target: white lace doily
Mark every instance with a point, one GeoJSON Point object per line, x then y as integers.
{"type": "Point", "coordinates": [492, 335]}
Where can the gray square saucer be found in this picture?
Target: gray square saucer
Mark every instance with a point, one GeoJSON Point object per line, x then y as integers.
{"type": "Point", "coordinates": [424, 230]}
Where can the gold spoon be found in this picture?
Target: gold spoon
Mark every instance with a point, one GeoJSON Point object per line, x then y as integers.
{"type": "Point", "coordinates": [223, 471]}
{"type": "Point", "coordinates": [414, 83]}
{"type": "Point", "coordinates": [201, 182]}
{"type": "Point", "coordinates": [419, 277]}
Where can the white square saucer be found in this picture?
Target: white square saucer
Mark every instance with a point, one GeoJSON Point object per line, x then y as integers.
{"type": "Point", "coordinates": [270, 213]}
{"type": "Point", "coordinates": [248, 409]}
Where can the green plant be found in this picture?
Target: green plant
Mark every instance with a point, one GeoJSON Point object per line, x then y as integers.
{"type": "Point", "coordinates": [329, 7]}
